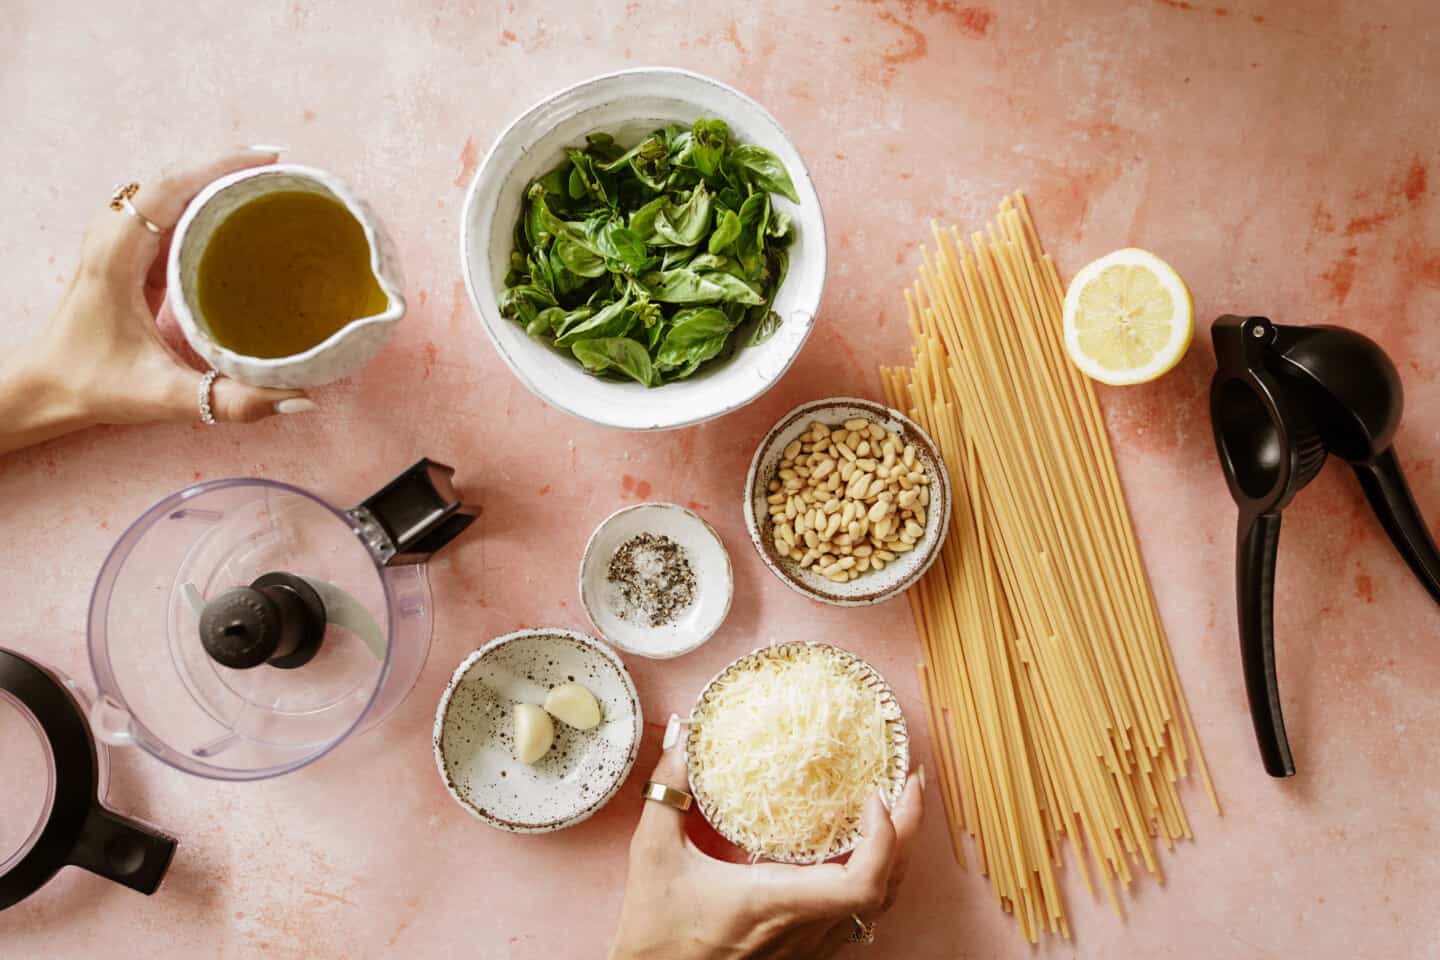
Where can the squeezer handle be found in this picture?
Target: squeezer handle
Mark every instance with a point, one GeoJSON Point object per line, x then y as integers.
{"type": "Point", "coordinates": [1255, 547]}
{"type": "Point", "coordinates": [1384, 484]}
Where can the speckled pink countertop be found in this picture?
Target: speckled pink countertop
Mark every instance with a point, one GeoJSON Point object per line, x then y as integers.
{"type": "Point", "coordinates": [1285, 161]}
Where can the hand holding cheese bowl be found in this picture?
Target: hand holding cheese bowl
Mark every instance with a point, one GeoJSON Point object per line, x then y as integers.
{"type": "Point", "coordinates": [764, 910]}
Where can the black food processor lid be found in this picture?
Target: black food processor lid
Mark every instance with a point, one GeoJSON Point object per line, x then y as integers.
{"type": "Point", "coordinates": [76, 829]}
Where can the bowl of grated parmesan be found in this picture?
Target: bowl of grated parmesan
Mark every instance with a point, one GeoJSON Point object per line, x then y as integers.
{"type": "Point", "coordinates": [786, 745]}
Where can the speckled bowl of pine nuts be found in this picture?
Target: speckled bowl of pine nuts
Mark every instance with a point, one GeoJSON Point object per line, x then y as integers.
{"type": "Point", "coordinates": [847, 501]}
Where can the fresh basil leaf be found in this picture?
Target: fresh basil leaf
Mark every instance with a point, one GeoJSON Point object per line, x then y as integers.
{"type": "Point", "coordinates": [613, 240]}
{"type": "Point", "coordinates": [574, 317]}
{"type": "Point", "coordinates": [544, 322]}
{"type": "Point", "coordinates": [642, 221]}
{"type": "Point", "coordinates": [655, 335]}
{"type": "Point", "coordinates": [528, 293]}
{"type": "Point", "coordinates": [764, 170]}
{"type": "Point", "coordinates": [729, 198]}
{"type": "Point", "coordinates": [578, 258]}
{"type": "Point", "coordinates": [649, 149]}
{"type": "Point", "coordinates": [612, 320]}
{"type": "Point", "coordinates": [710, 137]}
{"type": "Point", "coordinates": [607, 354]}
{"type": "Point", "coordinates": [681, 285]}
{"type": "Point", "coordinates": [602, 146]}
{"type": "Point", "coordinates": [727, 231]}
{"type": "Point", "coordinates": [764, 329]}
{"type": "Point", "coordinates": [540, 223]}
{"type": "Point", "coordinates": [709, 261]}
{"type": "Point", "coordinates": [685, 224]}
{"type": "Point", "coordinates": [677, 257]}
{"type": "Point", "coordinates": [695, 336]}
{"type": "Point", "coordinates": [584, 177]}
{"type": "Point", "coordinates": [681, 146]}
{"type": "Point", "coordinates": [734, 288]}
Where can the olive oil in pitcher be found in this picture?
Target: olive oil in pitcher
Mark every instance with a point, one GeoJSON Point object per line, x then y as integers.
{"type": "Point", "coordinates": [284, 272]}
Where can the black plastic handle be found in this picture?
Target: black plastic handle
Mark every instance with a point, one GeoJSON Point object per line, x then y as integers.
{"type": "Point", "coordinates": [1256, 541]}
{"type": "Point", "coordinates": [127, 851]}
{"type": "Point", "coordinates": [1384, 484]}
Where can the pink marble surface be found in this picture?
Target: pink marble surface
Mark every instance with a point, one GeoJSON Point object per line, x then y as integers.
{"type": "Point", "coordinates": [1283, 156]}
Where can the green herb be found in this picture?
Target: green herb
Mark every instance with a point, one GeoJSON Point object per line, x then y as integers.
{"type": "Point", "coordinates": [651, 261]}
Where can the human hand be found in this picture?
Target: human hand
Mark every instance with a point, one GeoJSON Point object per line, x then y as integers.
{"type": "Point", "coordinates": [102, 357]}
{"type": "Point", "coordinates": [681, 904]}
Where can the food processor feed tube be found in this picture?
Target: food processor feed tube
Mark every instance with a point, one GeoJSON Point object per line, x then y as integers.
{"type": "Point", "coordinates": [243, 628]}
{"type": "Point", "coordinates": [1284, 397]}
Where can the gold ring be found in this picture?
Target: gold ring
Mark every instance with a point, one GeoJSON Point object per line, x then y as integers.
{"type": "Point", "coordinates": [669, 796]}
{"type": "Point", "coordinates": [863, 932]}
{"type": "Point", "coordinates": [120, 202]}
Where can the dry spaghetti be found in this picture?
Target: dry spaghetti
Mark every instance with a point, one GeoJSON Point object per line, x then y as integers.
{"type": "Point", "coordinates": [1054, 706]}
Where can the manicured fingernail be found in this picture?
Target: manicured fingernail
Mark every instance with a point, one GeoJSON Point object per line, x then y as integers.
{"type": "Point", "coordinates": [672, 733]}
{"type": "Point", "coordinates": [296, 405]}
{"type": "Point", "coordinates": [922, 778]}
{"type": "Point", "coordinates": [884, 800]}
{"type": "Point", "coordinates": [267, 148]}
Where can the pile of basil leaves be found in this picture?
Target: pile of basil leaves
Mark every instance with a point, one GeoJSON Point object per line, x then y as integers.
{"type": "Point", "coordinates": [653, 261]}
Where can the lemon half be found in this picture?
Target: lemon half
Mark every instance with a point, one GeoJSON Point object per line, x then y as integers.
{"type": "Point", "coordinates": [1128, 318]}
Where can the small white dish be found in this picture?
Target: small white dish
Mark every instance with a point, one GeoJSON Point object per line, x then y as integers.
{"type": "Point", "coordinates": [342, 353]}
{"type": "Point", "coordinates": [709, 561]}
{"type": "Point", "coordinates": [474, 731]}
{"type": "Point", "coordinates": [631, 104]}
{"type": "Point", "coordinates": [900, 574]}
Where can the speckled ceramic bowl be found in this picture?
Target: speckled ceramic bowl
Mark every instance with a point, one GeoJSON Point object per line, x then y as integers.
{"type": "Point", "coordinates": [864, 674]}
{"type": "Point", "coordinates": [709, 562]}
{"type": "Point", "coordinates": [870, 587]}
{"type": "Point", "coordinates": [474, 731]}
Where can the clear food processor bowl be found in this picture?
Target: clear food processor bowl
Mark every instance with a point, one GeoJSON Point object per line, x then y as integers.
{"type": "Point", "coordinates": [158, 688]}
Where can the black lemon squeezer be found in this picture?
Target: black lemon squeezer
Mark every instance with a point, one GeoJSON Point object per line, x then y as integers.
{"type": "Point", "coordinates": [1282, 400]}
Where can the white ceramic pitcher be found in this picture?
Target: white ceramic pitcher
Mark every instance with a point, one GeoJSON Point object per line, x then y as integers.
{"type": "Point", "coordinates": [343, 352]}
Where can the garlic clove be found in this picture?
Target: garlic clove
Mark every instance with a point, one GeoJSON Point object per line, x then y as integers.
{"type": "Point", "coordinates": [573, 704]}
{"type": "Point", "coordinates": [534, 733]}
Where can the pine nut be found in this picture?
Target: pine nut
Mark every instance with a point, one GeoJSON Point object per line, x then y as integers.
{"type": "Point", "coordinates": [847, 499]}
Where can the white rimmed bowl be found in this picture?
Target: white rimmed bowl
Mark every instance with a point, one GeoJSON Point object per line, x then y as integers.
{"type": "Point", "coordinates": [474, 731]}
{"type": "Point", "coordinates": [631, 104]}
{"type": "Point", "coordinates": [709, 561]}
{"type": "Point", "coordinates": [897, 771]}
{"type": "Point", "coordinates": [870, 587]}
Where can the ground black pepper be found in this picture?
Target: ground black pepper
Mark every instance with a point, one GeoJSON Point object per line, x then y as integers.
{"type": "Point", "coordinates": [653, 579]}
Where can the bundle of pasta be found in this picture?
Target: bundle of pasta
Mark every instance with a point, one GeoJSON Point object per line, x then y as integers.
{"type": "Point", "coordinates": [1053, 701]}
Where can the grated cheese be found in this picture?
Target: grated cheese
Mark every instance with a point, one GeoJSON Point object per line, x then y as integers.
{"type": "Point", "coordinates": [787, 747]}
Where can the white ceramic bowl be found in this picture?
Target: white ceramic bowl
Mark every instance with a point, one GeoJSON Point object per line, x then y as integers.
{"type": "Point", "coordinates": [474, 731]}
{"type": "Point", "coordinates": [897, 732]}
{"type": "Point", "coordinates": [709, 561]}
{"type": "Point", "coordinates": [871, 587]}
{"type": "Point", "coordinates": [631, 104]}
